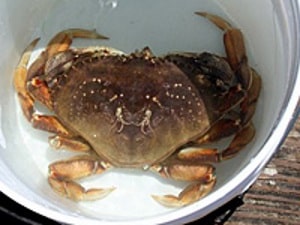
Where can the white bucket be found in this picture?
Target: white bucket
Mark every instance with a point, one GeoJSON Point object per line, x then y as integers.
{"type": "Point", "coordinates": [271, 29]}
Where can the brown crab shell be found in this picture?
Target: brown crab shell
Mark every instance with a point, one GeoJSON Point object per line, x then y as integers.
{"type": "Point", "coordinates": [133, 110]}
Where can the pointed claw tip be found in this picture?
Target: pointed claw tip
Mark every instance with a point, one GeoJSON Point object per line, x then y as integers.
{"type": "Point", "coordinates": [97, 194]}
{"type": "Point", "coordinates": [100, 36]}
{"type": "Point", "coordinates": [31, 46]}
{"type": "Point", "coordinates": [35, 41]}
{"type": "Point", "coordinates": [170, 201]}
{"type": "Point", "coordinates": [156, 197]}
{"type": "Point", "coordinates": [204, 14]}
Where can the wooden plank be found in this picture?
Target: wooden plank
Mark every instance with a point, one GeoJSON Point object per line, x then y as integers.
{"type": "Point", "coordinates": [275, 196]}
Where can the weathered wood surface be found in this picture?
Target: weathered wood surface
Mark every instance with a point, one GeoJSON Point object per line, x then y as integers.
{"type": "Point", "coordinates": [275, 196]}
{"type": "Point", "coordinates": [274, 199]}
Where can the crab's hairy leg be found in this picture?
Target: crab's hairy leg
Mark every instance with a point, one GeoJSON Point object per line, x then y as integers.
{"type": "Point", "coordinates": [202, 176]}
{"type": "Point", "coordinates": [62, 40]}
{"type": "Point", "coordinates": [62, 176]}
{"type": "Point", "coordinates": [70, 143]}
{"type": "Point", "coordinates": [20, 75]}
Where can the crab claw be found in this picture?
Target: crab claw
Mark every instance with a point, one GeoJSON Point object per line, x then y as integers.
{"type": "Point", "coordinates": [202, 177]}
{"type": "Point", "coordinates": [62, 176]}
{"type": "Point", "coordinates": [191, 194]}
{"type": "Point", "coordinates": [76, 192]}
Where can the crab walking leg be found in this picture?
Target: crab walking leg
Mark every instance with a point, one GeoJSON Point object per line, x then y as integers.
{"type": "Point", "coordinates": [202, 176]}
{"type": "Point", "coordinates": [222, 129]}
{"type": "Point", "coordinates": [242, 127]}
{"type": "Point", "coordinates": [235, 48]}
{"type": "Point", "coordinates": [247, 132]}
{"type": "Point", "coordinates": [20, 75]}
{"type": "Point", "coordinates": [251, 83]}
{"type": "Point", "coordinates": [63, 173]}
{"type": "Point", "coordinates": [248, 105]}
{"type": "Point", "coordinates": [229, 126]}
{"type": "Point", "coordinates": [60, 42]}
{"type": "Point", "coordinates": [48, 123]}
{"type": "Point", "coordinates": [239, 141]}
{"type": "Point", "coordinates": [63, 40]}
{"type": "Point", "coordinates": [73, 144]}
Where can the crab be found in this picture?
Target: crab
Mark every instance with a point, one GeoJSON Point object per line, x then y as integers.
{"type": "Point", "coordinates": [139, 111]}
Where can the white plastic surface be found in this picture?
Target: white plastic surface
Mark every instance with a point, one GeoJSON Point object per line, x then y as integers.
{"type": "Point", "coordinates": [165, 26]}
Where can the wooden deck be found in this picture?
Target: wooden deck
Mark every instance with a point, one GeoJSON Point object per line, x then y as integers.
{"type": "Point", "coordinates": [274, 199]}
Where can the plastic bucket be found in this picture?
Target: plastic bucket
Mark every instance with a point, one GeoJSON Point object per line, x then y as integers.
{"type": "Point", "coordinates": [271, 29]}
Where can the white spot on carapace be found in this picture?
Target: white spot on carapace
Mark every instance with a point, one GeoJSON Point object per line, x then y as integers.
{"type": "Point", "coordinates": [113, 98]}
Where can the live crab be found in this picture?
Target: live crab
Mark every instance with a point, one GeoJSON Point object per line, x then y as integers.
{"type": "Point", "coordinates": [138, 110]}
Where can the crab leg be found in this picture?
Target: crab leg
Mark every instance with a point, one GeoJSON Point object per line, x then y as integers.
{"type": "Point", "coordinates": [250, 81]}
{"type": "Point", "coordinates": [20, 75]}
{"type": "Point", "coordinates": [72, 144]}
{"type": "Point", "coordinates": [63, 173]}
{"type": "Point", "coordinates": [24, 79]}
{"type": "Point", "coordinates": [47, 123]}
{"type": "Point", "coordinates": [239, 141]}
{"type": "Point", "coordinates": [235, 49]}
{"type": "Point", "coordinates": [202, 175]}
{"type": "Point", "coordinates": [223, 128]}
{"type": "Point", "coordinates": [248, 106]}
{"type": "Point", "coordinates": [63, 40]}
